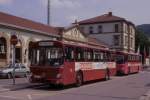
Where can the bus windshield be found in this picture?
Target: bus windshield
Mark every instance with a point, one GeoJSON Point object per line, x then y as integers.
{"type": "Point", "coordinates": [47, 56]}
{"type": "Point", "coordinates": [120, 59]}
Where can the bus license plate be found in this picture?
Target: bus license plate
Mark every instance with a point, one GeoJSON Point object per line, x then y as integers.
{"type": "Point", "coordinates": [37, 76]}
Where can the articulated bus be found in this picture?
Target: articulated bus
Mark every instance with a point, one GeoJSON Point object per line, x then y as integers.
{"type": "Point", "coordinates": [128, 63]}
{"type": "Point", "coordinates": [57, 62]}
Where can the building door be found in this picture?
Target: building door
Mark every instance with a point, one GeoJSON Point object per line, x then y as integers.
{"type": "Point", "coordinates": [18, 52]}
{"type": "Point", "coordinates": [18, 55]}
{"type": "Point", "coordinates": [3, 51]}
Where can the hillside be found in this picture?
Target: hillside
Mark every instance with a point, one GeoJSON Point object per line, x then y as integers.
{"type": "Point", "coordinates": [145, 28]}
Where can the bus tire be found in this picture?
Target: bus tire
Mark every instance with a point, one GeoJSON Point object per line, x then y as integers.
{"type": "Point", "coordinates": [79, 79]}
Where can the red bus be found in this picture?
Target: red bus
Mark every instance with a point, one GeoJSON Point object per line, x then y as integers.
{"type": "Point", "coordinates": [128, 63]}
{"type": "Point", "coordinates": [56, 62]}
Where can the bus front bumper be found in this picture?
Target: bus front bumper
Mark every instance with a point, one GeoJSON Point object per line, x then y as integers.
{"type": "Point", "coordinates": [35, 79]}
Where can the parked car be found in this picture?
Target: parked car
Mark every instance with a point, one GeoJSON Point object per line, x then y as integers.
{"type": "Point", "coordinates": [20, 71]}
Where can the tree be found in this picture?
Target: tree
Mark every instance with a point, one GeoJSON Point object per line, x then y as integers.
{"type": "Point", "coordinates": [142, 41]}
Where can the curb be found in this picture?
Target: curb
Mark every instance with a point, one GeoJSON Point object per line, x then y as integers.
{"type": "Point", "coordinates": [23, 87]}
{"type": "Point", "coordinates": [14, 88]}
{"type": "Point", "coordinates": [4, 90]}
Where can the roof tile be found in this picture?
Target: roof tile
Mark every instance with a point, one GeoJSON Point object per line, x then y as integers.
{"type": "Point", "coordinates": [25, 23]}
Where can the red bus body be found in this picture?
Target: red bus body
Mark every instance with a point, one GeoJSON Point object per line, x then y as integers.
{"type": "Point", "coordinates": [131, 63]}
{"type": "Point", "coordinates": [66, 73]}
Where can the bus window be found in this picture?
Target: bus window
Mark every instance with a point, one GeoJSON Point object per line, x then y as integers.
{"type": "Point", "coordinates": [69, 53]}
{"type": "Point", "coordinates": [35, 57]}
{"type": "Point", "coordinates": [120, 59]}
{"type": "Point", "coordinates": [79, 54]}
{"type": "Point", "coordinates": [107, 56]}
{"type": "Point", "coordinates": [38, 56]}
{"type": "Point", "coordinates": [98, 56]}
{"type": "Point", "coordinates": [54, 56]}
{"type": "Point", "coordinates": [88, 55]}
{"type": "Point", "coordinates": [41, 55]}
{"type": "Point", "coordinates": [101, 56]}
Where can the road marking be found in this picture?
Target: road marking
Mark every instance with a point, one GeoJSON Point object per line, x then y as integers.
{"type": "Point", "coordinates": [29, 97]}
{"type": "Point", "coordinates": [4, 90]}
{"type": "Point", "coordinates": [10, 97]}
{"type": "Point", "coordinates": [48, 94]}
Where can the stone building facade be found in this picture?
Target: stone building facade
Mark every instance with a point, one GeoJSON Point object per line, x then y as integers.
{"type": "Point", "coordinates": [115, 31]}
{"type": "Point", "coordinates": [26, 31]}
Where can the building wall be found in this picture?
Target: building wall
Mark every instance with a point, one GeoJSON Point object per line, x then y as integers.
{"type": "Point", "coordinates": [106, 27]}
{"type": "Point", "coordinates": [25, 38]}
{"type": "Point", "coordinates": [129, 31]}
{"type": "Point", "coordinates": [107, 38]}
{"type": "Point", "coordinates": [125, 31]}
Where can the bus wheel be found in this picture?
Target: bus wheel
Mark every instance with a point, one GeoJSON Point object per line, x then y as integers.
{"type": "Point", "coordinates": [79, 79]}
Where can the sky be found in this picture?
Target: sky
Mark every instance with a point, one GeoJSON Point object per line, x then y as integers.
{"type": "Point", "coordinates": [65, 12]}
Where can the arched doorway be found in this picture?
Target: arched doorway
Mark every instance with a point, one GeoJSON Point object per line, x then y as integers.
{"type": "Point", "coordinates": [29, 52]}
{"type": "Point", "coordinates": [3, 48]}
{"type": "Point", "coordinates": [3, 51]}
{"type": "Point", "coordinates": [18, 52]}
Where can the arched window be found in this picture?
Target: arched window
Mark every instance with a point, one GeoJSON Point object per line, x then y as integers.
{"type": "Point", "coordinates": [3, 48]}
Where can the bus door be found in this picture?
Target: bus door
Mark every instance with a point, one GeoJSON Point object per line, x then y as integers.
{"type": "Point", "coordinates": [69, 65]}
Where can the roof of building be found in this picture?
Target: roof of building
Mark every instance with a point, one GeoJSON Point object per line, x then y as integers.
{"type": "Point", "coordinates": [22, 23]}
{"type": "Point", "coordinates": [90, 40]}
{"type": "Point", "coordinates": [103, 19]}
{"type": "Point", "coordinates": [94, 41]}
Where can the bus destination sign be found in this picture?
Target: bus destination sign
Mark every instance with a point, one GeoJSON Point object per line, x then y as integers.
{"type": "Point", "coordinates": [46, 43]}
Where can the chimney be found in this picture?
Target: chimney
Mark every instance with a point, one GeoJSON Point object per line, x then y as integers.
{"type": "Point", "coordinates": [110, 13]}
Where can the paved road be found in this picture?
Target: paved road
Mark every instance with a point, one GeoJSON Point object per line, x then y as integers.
{"type": "Point", "coordinates": [130, 87]}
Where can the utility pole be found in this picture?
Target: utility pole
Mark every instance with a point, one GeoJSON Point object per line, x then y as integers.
{"type": "Point", "coordinates": [48, 12]}
{"type": "Point", "coordinates": [13, 41]}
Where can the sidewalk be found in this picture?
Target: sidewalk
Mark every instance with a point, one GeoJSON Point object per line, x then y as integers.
{"type": "Point", "coordinates": [20, 84]}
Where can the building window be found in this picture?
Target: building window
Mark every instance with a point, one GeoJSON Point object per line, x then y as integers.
{"type": "Point", "coordinates": [116, 40]}
{"type": "Point", "coordinates": [128, 29]}
{"type": "Point", "coordinates": [126, 40]}
{"type": "Point", "coordinates": [100, 29]}
{"type": "Point", "coordinates": [131, 43]}
{"type": "Point", "coordinates": [82, 29]}
{"type": "Point", "coordinates": [91, 30]}
{"type": "Point", "coordinates": [116, 28]}
{"type": "Point", "coordinates": [2, 48]}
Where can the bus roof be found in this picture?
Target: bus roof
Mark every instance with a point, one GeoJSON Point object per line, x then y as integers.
{"type": "Point", "coordinates": [127, 53]}
{"type": "Point", "coordinates": [75, 44]}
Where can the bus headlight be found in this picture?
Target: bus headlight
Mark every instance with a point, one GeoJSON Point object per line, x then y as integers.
{"type": "Point", "coordinates": [58, 76]}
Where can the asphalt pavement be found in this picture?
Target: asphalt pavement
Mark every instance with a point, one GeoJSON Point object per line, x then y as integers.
{"type": "Point", "coordinates": [131, 87]}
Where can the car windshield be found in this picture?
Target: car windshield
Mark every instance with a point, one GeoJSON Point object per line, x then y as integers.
{"type": "Point", "coordinates": [48, 56]}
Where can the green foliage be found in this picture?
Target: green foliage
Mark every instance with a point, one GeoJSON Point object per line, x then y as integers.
{"type": "Point", "coordinates": [143, 41]}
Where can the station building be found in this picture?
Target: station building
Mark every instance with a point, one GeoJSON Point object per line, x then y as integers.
{"type": "Point", "coordinates": [75, 36]}
{"type": "Point", "coordinates": [26, 31]}
{"type": "Point", "coordinates": [107, 31]}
